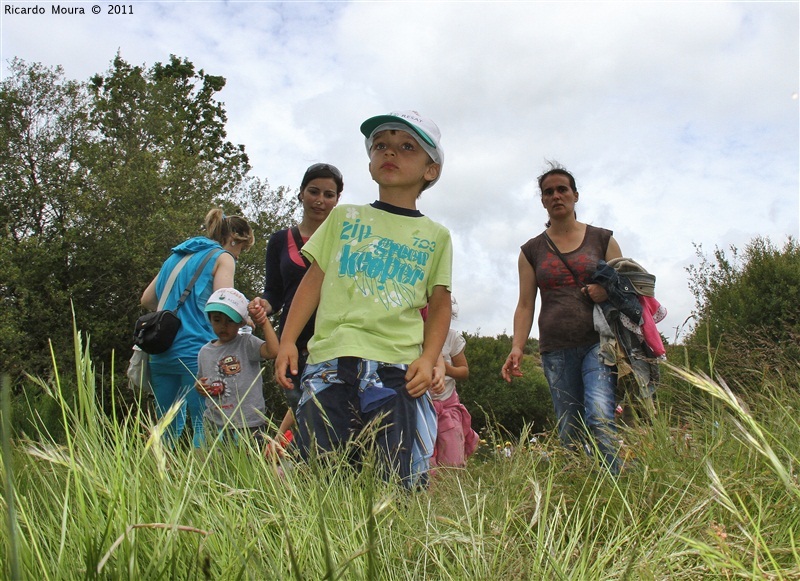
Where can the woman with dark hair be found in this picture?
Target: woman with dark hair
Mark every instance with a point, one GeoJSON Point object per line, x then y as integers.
{"type": "Point", "coordinates": [172, 373]}
{"type": "Point", "coordinates": [320, 191]}
{"type": "Point", "coordinates": [560, 262]}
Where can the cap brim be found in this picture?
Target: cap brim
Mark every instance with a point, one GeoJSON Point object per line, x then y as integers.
{"type": "Point", "coordinates": [219, 308]}
{"type": "Point", "coordinates": [368, 126]}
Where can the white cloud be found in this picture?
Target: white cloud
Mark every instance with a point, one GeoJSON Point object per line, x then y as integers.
{"type": "Point", "coordinates": [677, 119]}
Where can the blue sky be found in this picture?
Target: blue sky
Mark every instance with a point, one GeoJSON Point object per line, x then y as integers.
{"type": "Point", "coordinates": [678, 119]}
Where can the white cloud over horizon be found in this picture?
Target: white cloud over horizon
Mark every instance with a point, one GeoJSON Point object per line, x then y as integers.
{"type": "Point", "coordinates": [678, 120]}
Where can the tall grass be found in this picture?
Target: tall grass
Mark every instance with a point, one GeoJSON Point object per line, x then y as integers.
{"type": "Point", "coordinates": [713, 494]}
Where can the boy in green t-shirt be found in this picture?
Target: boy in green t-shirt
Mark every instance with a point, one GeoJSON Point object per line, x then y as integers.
{"type": "Point", "coordinates": [374, 267]}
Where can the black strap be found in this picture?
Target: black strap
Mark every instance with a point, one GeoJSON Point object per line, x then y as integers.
{"type": "Point", "coordinates": [555, 249]}
{"type": "Point", "coordinates": [298, 241]}
{"type": "Point", "coordinates": [199, 270]}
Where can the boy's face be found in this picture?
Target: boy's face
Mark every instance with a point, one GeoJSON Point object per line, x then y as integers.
{"type": "Point", "coordinates": [224, 327]}
{"type": "Point", "coordinates": [396, 159]}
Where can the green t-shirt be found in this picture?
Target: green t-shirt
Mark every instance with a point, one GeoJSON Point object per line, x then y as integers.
{"type": "Point", "coordinates": [381, 264]}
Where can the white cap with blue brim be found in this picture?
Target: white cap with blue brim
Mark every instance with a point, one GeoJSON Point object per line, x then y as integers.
{"type": "Point", "coordinates": [425, 131]}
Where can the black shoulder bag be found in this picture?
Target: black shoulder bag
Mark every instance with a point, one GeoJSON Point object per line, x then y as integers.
{"type": "Point", "coordinates": [155, 332]}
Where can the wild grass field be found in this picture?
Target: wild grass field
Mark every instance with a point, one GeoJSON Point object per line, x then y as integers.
{"type": "Point", "coordinates": [711, 491]}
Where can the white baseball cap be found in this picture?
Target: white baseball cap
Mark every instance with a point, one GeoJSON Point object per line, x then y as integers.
{"type": "Point", "coordinates": [425, 131]}
{"type": "Point", "coordinates": [230, 302]}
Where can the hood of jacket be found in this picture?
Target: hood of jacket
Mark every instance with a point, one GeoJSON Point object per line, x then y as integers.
{"type": "Point", "coordinates": [196, 244]}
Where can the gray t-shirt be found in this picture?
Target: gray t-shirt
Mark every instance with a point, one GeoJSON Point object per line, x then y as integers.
{"type": "Point", "coordinates": [237, 366]}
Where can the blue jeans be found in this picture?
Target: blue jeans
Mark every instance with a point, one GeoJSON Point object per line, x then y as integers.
{"type": "Point", "coordinates": [583, 390]}
{"type": "Point", "coordinates": [169, 387]}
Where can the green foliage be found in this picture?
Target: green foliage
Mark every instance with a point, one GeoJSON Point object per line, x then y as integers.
{"type": "Point", "coordinates": [163, 163]}
{"type": "Point", "coordinates": [267, 211]}
{"type": "Point", "coordinates": [492, 401]}
{"type": "Point", "coordinates": [756, 288]}
{"type": "Point", "coordinates": [748, 309]}
{"type": "Point", "coordinates": [99, 181]}
{"type": "Point", "coordinates": [43, 135]}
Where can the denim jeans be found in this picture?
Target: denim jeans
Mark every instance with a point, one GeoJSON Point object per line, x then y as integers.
{"type": "Point", "coordinates": [583, 391]}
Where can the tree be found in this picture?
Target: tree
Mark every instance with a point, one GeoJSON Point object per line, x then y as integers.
{"type": "Point", "coordinates": [491, 400]}
{"type": "Point", "coordinates": [160, 162]}
{"type": "Point", "coordinates": [43, 136]}
{"type": "Point", "coordinates": [99, 181]}
{"type": "Point", "coordinates": [267, 211]}
{"type": "Point", "coordinates": [748, 307]}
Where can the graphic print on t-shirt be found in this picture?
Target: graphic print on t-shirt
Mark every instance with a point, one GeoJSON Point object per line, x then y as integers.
{"type": "Point", "coordinates": [381, 267]}
{"type": "Point", "coordinates": [227, 367]}
{"type": "Point", "coordinates": [553, 273]}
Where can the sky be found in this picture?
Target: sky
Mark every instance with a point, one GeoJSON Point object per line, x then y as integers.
{"type": "Point", "coordinates": [679, 120]}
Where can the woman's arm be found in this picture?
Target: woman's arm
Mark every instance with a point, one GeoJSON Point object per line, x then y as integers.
{"type": "Point", "coordinates": [523, 318]}
{"type": "Point", "coordinates": [595, 291]}
{"type": "Point", "coordinates": [149, 298]}
{"type": "Point", "coordinates": [224, 269]}
{"type": "Point", "coordinates": [613, 250]}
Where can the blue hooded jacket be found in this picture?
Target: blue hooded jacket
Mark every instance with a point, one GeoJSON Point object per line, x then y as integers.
{"type": "Point", "coordinates": [195, 330]}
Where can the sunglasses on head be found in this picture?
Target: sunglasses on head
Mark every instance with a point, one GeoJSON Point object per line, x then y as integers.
{"type": "Point", "coordinates": [325, 167]}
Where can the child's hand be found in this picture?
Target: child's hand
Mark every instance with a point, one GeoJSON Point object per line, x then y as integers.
{"type": "Point", "coordinates": [273, 448]}
{"type": "Point", "coordinates": [439, 372]}
{"type": "Point", "coordinates": [202, 386]}
{"type": "Point", "coordinates": [437, 382]}
{"type": "Point", "coordinates": [258, 311]}
{"type": "Point", "coordinates": [277, 446]}
{"type": "Point", "coordinates": [206, 389]}
{"type": "Point", "coordinates": [419, 377]}
{"type": "Point", "coordinates": [285, 364]}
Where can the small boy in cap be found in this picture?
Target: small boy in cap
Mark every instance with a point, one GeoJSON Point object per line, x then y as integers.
{"type": "Point", "coordinates": [374, 267]}
{"type": "Point", "coordinates": [229, 368]}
